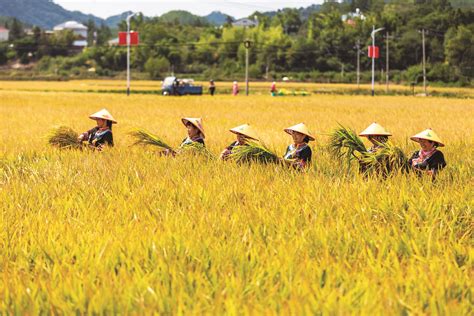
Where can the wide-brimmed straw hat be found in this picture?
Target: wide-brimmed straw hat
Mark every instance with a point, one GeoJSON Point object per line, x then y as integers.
{"type": "Point", "coordinates": [375, 129]}
{"type": "Point", "coordinates": [245, 130]}
{"type": "Point", "coordinates": [103, 114]}
{"type": "Point", "coordinates": [197, 122]}
{"type": "Point", "coordinates": [427, 134]}
{"type": "Point", "coordinates": [300, 128]}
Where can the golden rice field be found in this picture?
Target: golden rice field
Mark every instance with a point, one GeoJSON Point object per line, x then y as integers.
{"type": "Point", "coordinates": [222, 87]}
{"type": "Point", "coordinates": [129, 232]}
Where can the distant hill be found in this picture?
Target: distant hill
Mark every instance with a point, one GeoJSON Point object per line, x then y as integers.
{"type": "Point", "coordinates": [43, 13]}
{"type": "Point", "coordinates": [304, 12]}
{"type": "Point", "coordinates": [6, 20]}
{"type": "Point", "coordinates": [47, 14]}
{"type": "Point", "coordinates": [217, 18]}
{"type": "Point", "coordinates": [113, 21]}
{"type": "Point", "coordinates": [183, 17]}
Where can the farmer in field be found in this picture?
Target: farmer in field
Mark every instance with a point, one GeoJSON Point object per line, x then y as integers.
{"type": "Point", "coordinates": [273, 89]}
{"type": "Point", "coordinates": [377, 135]}
{"type": "Point", "coordinates": [428, 159]}
{"type": "Point", "coordinates": [299, 153]}
{"type": "Point", "coordinates": [101, 135]}
{"type": "Point", "coordinates": [244, 133]}
{"type": "Point", "coordinates": [212, 87]}
{"type": "Point", "coordinates": [235, 88]}
{"type": "Point", "coordinates": [195, 135]}
{"type": "Point", "coordinates": [195, 131]}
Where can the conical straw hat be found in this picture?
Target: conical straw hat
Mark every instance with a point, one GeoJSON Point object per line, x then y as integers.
{"type": "Point", "coordinates": [428, 134]}
{"type": "Point", "coordinates": [245, 130]}
{"type": "Point", "coordinates": [197, 122]}
{"type": "Point", "coordinates": [300, 128]}
{"type": "Point", "coordinates": [375, 129]}
{"type": "Point", "coordinates": [103, 114]}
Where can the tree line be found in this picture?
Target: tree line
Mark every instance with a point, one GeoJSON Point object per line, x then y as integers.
{"type": "Point", "coordinates": [321, 46]}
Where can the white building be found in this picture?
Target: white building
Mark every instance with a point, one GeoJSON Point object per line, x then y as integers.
{"type": "Point", "coordinates": [77, 28]}
{"type": "Point", "coordinates": [245, 22]}
{"type": "Point", "coordinates": [352, 16]}
{"type": "Point", "coordinates": [4, 34]}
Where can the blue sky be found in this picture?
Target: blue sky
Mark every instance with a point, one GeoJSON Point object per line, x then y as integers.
{"type": "Point", "coordinates": [236, 8]}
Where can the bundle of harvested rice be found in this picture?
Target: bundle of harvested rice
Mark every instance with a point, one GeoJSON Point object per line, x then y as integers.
{"type": "Point", "coordinates": [145, 138]}
{"type": "Point", "coordinates": [387, 159]}
{"type": "Point", "coordinates": [254, 152]}
{"type": "Point", "coordinates": [64, 137]}
{"type": "Point", "coordinates": [344, 143]}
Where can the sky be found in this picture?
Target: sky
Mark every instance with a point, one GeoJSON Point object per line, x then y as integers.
{"type": "Point", "coordinates": [235, 8]}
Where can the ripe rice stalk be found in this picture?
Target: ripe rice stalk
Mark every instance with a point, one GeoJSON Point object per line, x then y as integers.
{"type": "Point", "coordinates": [344, 143]}
{"type": "Point", "coordinates": [145, 138]}
{"type": "Point", "coordinates": [387, 159]}
{"type": "Point", "coordinates": [64, 137]}
{"type": "Point", "coordinates": [254, 152]}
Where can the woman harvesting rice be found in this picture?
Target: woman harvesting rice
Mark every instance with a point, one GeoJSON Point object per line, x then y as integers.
{"type": "Point", "coordinates": [195, 135]}
{"type": "Point", "coordinates": [377, 135]}
{"type": "Point", "coordinates": [195, 131]}
{"type": "Point", "coordinates": [299, 153]}
{"type": "Point", "coordinates": [243, 133]}
{"type": "Point", "coordinates": [428, 159]}
{"type": "Point", "coordinates": [101, 135]}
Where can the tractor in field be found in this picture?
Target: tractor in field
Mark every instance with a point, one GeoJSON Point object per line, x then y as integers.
{"type": "Point", "coordinates": [179, 87]}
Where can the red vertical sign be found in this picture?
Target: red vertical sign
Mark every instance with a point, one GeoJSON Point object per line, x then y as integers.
{"type": "Point", "coordinates": [134, 41]}
{"type": "Point", "coordinates": [374, 52]}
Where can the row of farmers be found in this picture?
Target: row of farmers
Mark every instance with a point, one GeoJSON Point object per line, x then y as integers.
{"type": "Point", "coordinates": [428, 159]}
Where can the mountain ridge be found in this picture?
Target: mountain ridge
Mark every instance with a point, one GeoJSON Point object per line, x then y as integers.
{"type": "Point", "coordinates": [47, 14]}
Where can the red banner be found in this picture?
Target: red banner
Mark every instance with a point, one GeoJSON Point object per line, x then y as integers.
{"type": "Point", "coordinates": [133, 38]}
{"type": "Point", "coordinates": [374, 52]}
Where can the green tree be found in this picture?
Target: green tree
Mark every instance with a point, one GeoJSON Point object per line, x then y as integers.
{"type": "Point", "coordinates": [91, 32]}
{"type": "Point", "coordinates": [460, 49]}
{"type": "Point", "coordinates": [3, 54]}
{"type": "Point", "coordinates": [104, 34]}
{"type": "Point", "coordinates": [16, 30]}
{"type": "Point", "coordinates": [157, 66]}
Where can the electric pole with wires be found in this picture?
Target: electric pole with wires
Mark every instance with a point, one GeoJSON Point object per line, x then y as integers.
{"type": "Point", "coordinates": [247, 45]}
{"type": "Point", "coordinates": [424, 61]}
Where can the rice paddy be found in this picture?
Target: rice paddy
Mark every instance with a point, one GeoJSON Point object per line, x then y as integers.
{"type": "Point", "coordinates": [128, 231]}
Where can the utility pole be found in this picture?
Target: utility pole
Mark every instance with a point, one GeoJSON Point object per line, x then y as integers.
{"type": "Point", "coordinates": [358, 63]}
{"type": "Point", "coordinates": [387, 67]}
{"type": "Point", "coordinates": [247, 45]}
{"type": "Point", "coordinates": [128, 51]}
{"type": "Point", "coordinates": [424, 61]}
